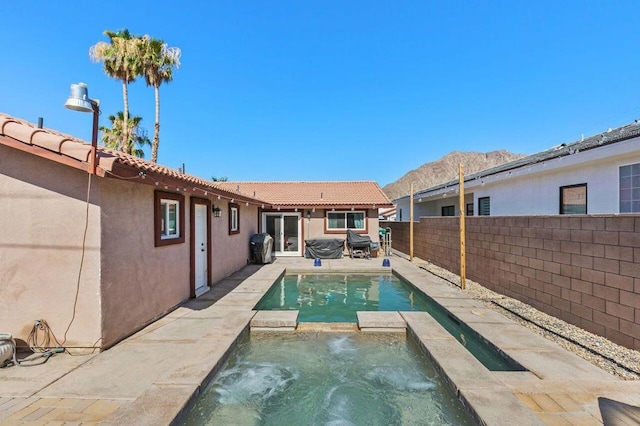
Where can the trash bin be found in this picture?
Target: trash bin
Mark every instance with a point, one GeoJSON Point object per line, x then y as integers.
{"type": "Point", "coordinates": [261, 246]}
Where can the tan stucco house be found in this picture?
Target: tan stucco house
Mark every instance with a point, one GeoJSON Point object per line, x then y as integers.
{"type": "Point", "coordinates": [300, 211]}
{"type": "Point", "coordinates": [100, 255]}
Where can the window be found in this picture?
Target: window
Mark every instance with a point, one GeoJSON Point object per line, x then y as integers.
{"type": "Point", "coordinates": [573, 199]}
{"type": "Point", "coordinates": [168, 218]}
{"type": "Point", "coordinates": [484, 206]}
{"type": "Point", "coordinates": [234, 219]}
{"type": "Point", "coordinates": [469, 209]}
{"type": "Point", "coordinates": [448, 210]}
{"type": "Point", "coordinates": [630, 188]}
{"type": "Point", "coordinates": [169, 227]}
{"type": "Point", "coordinates": [400, 216]}
{"type": "Point", "coordinates": [340, 221]}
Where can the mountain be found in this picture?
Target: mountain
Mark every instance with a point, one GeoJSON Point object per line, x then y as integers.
{"type": "Point", "coordinates": [446, 169]}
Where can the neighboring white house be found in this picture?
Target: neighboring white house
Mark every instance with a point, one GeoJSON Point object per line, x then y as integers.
{"type": "Point", "coordinates": [597, 175]}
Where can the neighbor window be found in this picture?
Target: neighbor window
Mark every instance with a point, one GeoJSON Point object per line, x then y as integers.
{"type": "Point", "coordinates": [469, 209]}
{"type": "Point", "coordinates": [573, 199]}
{"type": "Point", "coordinates": [448, 211]}
{"type": "Point", "coordinates": [630, 188]}
{"type": "Point", "coordinates": [484, 206]}
{"type": "Point", "coordinates": [340, 221]}
{"type": "Point", "coordinates": [234, 219]}
{"type": "Point", "coordinates": [168, 218]}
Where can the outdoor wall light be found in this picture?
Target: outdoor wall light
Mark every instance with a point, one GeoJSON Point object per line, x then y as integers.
{"type": "Point", "coordinates": [217, 211]}
{"type": "Point", "coordinates": [79, 101]}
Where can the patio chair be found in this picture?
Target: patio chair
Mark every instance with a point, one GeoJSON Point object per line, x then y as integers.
{"type": "Point", "coordinates": [359, 245]}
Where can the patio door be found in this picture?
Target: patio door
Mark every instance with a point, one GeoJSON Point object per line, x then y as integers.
{"type": "Point", "coordinates": [285, 230]}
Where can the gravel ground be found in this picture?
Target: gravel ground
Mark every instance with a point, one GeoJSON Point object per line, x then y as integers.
{"type": "Point", "coordinates": [617, 360]}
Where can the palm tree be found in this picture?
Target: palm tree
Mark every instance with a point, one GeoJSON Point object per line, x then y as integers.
{"type": "Point", "coordinates": [158, 63]}
{"type": "Point", "coordinates": [122, 61]}
{"type": "Point", "coordinates": [112, 138]}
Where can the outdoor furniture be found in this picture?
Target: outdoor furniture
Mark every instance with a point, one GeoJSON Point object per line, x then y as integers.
{"type": "Point", "coordinates": [359, 245]}
{"type": "Point", "coordinates": [324, 248]}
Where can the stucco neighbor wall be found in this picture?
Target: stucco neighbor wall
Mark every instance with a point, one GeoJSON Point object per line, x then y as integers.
{"type": "Point", "coordinates": [582, 269]}
{"type": "Point", "coordinates": [44, 211]}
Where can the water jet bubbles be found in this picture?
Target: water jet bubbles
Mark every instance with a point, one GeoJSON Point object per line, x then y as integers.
{"type": "Point", "coordinates": [400, 379]}
{"type": "Point", "coordinates": [342, 345]}
{"type": "Point", "coordinates": [253, 381]}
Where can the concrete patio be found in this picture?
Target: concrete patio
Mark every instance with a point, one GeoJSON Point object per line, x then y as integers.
{"type": "Point", "coordinates": [152, 377]}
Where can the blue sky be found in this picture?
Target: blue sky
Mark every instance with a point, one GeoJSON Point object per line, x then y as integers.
{"type": "Point", "coordinates": [337, 90]}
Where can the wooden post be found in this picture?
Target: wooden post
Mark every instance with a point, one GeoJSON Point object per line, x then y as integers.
{"type": "Point", "coordinates": [463, 264]}
{"type": "Point", "coordinates": [411, 223]}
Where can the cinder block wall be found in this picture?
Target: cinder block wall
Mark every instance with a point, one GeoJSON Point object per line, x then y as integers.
{"type": "Point", "coordinates": [582, 269]}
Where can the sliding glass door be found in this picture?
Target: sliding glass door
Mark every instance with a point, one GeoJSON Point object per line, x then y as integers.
{"type": "Point", "coordinates": [285, 230]}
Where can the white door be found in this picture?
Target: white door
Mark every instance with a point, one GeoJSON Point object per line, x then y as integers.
{"type": "Point", "coordinates": [285, 230]}
{"type": "Point", "coordinates": [200, 248]}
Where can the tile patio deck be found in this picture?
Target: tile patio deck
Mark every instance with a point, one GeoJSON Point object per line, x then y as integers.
{"type": "Point", "coordinates": [151, 377]}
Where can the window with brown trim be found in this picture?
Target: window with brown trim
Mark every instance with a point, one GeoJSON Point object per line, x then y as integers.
{"type": "Point", "coordinates": [234, 219]}
{"type": "Point", "coordinates": [343, 220]}
{"type": "Point", "coordinates": [168, 218]}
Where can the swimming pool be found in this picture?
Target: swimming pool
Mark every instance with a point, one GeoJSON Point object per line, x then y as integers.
{"type": "Point", "coordinates": [337, 297]}
{"type": "Point", "coordinates": [326, 378]}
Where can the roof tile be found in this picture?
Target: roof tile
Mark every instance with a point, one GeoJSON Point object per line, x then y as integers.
{"type": "Point", "coordinates": [79, 151]}
{"type": "Point", "coordinates": [18, 131]}
{"type": "Point", "coordinates": [313, 193]}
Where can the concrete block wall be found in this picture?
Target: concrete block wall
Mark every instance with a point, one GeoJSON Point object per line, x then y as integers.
{"type": "Point", "coordinates": [582, 269]}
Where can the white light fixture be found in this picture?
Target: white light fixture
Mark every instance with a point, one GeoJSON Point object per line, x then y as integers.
{"type": "Point", "coordinates": [79, 100]}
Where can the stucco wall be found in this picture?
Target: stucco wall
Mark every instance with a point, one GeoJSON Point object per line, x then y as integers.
{"type": "Point", "coordinates": [582, 269]}
{"type": "Point", "coordinates": [314, 227]}
{"type": "Point", "coordinates": [139, 281]}
{"type": "Point", "coordinates": [231, 252]}
{"type": "Point", "coordinates": [125, 281]}
{"type": "Point", "coordinates": [44, 211]}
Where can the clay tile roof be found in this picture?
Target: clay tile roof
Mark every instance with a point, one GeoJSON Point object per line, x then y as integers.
{"type": "Point", "coordinates": [295, 194]}
{"type": "Point", "coordinates": [300, 194]}
{"type": "Point", "coordinates": [68, 147]}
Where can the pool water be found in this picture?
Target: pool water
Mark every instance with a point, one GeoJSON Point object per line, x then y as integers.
{"type": "Point", "coordinates": [327, 379]}
{"type": "Point", "coordinates": [337, 298]}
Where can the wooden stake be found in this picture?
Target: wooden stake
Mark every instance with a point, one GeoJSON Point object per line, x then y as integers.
{"type": "Point", "coordinates": [411, 223]}
{"type": "Point", "coordinates": [463, 264]}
